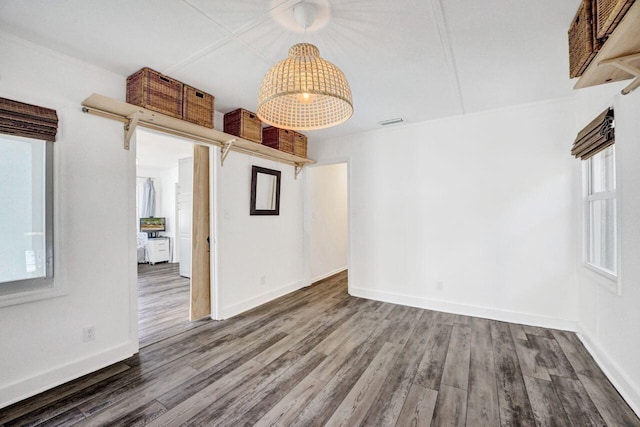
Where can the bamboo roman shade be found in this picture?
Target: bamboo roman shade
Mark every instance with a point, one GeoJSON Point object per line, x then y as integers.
{"type": "Point", "coordinates": [595, 137]}
{"type": "Point", "coordinates": [26, 120]}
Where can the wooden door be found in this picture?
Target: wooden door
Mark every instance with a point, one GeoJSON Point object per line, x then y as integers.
{"type": "Point", "coordinates": [200, 248]}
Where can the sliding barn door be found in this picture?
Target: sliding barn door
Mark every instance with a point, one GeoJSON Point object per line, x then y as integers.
{"type": "Point", "coordinates": [200, 254]}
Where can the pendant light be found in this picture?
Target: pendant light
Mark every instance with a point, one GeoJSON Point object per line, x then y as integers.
{"type": "Point", "coordinates": [304, 91]}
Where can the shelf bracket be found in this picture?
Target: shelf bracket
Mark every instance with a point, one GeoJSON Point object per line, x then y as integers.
{"type": "Point", "coordinates": [226, 146]}
{"type": "Point", "coordinates": [130, 128]}
{"type": "Point", "coordinates": [299, 167]}
{"type": "Point", "coordinates": [622, 64]}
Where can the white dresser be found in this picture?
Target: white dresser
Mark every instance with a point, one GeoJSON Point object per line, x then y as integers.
{"type": "Point", "coordinates": [158, 250]}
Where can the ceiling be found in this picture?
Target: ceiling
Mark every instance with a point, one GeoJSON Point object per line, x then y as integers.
{"type": "Point", "coordinates": [416, 59]}
{"type": "Point", "coordinates": [159, 150]}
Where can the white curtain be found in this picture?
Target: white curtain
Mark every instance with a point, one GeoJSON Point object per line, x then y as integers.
{"type": "Point", "coordinates": [148, 205]}
{"type": "Point", "coordinates": [140, 195]}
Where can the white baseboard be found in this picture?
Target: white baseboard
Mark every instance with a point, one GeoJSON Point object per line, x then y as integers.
{"type": "Point", "coordinates": [329, 274]}
{"type": "Point", "coordinates": [29, 387]}
{"type": "Point", "coordinates": [235, 309]}
{"type": "Point", "coordinates": [467, 310]}
{"type": "Point", "coordinates": [629, 390]}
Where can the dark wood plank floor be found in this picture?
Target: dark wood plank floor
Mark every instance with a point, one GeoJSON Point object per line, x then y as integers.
{"type": "Point", "coordinates": [320, 357]}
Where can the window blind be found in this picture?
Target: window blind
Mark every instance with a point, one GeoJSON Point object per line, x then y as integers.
{"type": "Point", "coordinates": [595, 137]}
{"type": "Point", "coordinates": [26, 120]}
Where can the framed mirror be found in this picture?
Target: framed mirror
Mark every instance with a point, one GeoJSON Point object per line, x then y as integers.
{"type": "Point", "coordinates": [265, 191]}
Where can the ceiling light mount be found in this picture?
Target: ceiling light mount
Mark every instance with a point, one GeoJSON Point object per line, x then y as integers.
{"type": "Point", "coordinates": [305, 14]}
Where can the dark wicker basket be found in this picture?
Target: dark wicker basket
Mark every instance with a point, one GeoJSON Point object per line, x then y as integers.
{"type": "Point", "coordinates": [299, 144]}
{"type": "Point", "coordinates": [244, 124]}
{"type": "Point", "coordinates": [609, 13]}
{"type": "Point", "coordinates": [583, 44]}
{"type": "Point", "coordinates": [280, 139]}
{"type": "Point", "coordinates": [150, 89]}
{"type": "Point", "coordinates": [197, 106]}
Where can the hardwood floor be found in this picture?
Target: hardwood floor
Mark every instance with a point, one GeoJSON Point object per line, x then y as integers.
{"type": "Point", "coordinates": [163, 301]}
{"type": "Point", "coordinates": [320, 357]}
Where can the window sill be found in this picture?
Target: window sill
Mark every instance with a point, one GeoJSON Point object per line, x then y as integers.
{"type": "Point", "coordinates": [605, 278]}
{"type": "Point", "coordinates": [30, 296]}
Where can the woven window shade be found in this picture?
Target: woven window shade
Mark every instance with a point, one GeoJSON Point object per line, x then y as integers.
{"type": "Point", "coordinates": [595, 137]}
{"type": "Point", "coordinates": [304, 92]}
{"type": "Point", "coordinates": [26, 120]}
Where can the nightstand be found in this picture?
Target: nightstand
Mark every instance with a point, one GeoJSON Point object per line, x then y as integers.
{"type": "Point", "coordinates": [158, 250]}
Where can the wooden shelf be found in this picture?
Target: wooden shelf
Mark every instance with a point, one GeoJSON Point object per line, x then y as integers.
{"type": "Point", "coordinates": [132, 116]}
{"type": "Point", "coordinates": [623, 43]}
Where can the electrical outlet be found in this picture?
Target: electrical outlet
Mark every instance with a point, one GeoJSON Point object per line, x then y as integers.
{"type": "Point", "coordinates": [439, 286]}
{"type": "Point", "coordinates": [89, 333]}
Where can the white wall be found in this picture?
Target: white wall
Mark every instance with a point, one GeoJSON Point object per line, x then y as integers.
{"type": "Point", "coordinates": [328, 219]}
{"type": "Point", "coordinates": [260, 257]}
{"type": "Point", "coordinates": [165, 180]}
{"type": "Point", "coordinates": [94, 235]}
{"type": "Point", "coordinates": [609, 320]}
{"type": "Point", "coordinates": [482, 204]}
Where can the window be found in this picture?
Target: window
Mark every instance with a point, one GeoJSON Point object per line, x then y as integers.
{"type": "Point", "coordinates": [600, 212]}
{"type": "Point", "coordinates": [26, 215]}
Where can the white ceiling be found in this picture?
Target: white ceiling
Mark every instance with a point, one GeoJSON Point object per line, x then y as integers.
{"type": "Point", "coordinates": [416, 59]}
{"type": "Point", "coordinates": [159, 150]}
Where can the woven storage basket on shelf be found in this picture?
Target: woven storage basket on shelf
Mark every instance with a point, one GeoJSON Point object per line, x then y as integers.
{"type": "Point", "coordinates": [280, 139]}
{"type": "Point", "coordinates": [150, 89]}
{"type": "Point", "coordinates": [299, 144]}
{"type": "Point", "coordinates": [244, 124]}
{"type": "Point", "coordinates": [583, 44]}
{"type": "Point", "coordinates": [197, 106]}
{"type": "Point", "coordinates": [608, 14]}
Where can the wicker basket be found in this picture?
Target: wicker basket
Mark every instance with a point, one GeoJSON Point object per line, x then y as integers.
{"type": "Point", "coordinates": [280, 139]}
{"type": "Point", "coordinates": [299, 144]}
{"type": "Point", "coordinates": [244, 124]}
{"type": "Point", "coordinates": [608, 14]}
{"type": "Point", "coordinates": [583, 44]}
{"type": "Point", "coordinates": [197, 106]}
{"type": "Point", "coordinates": [150, 89]}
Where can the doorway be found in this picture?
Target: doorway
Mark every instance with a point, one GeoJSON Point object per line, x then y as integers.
{"type": "Point", "coordinates": [327, 220]}
{"type": "Point", "coordinates": [173, 289]}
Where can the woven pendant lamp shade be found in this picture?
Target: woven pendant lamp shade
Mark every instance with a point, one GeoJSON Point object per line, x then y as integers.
{"type": "Point", "coordinates": [304, 92]}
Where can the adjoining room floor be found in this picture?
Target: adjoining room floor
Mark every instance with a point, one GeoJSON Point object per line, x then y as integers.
{"type": "Point", "coordinates": [163, 303]}
{"type": "Point", "coordinates": [318, 356]}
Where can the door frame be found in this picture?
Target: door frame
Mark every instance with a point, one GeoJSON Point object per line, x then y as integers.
{"type": "Point", "coordinates": [214, 180]}
{"type": "Point", "coordinates": [306, 250]}
{"type": "Point", "coordinates": [175, 254]}
{"type": "Point", "coordinates": [134, 310]}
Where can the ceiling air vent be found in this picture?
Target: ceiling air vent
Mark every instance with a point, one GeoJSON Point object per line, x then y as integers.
{"type": "Point", "coordinates": [391, 121]}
